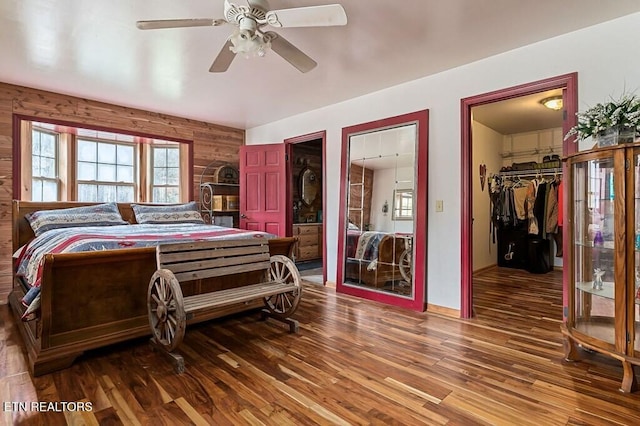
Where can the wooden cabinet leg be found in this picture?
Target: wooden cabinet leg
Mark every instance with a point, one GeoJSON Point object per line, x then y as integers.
{"type": "Point", "coordinates": [629, 380]}
{"type": "Point", "coordinates": [571, 352]}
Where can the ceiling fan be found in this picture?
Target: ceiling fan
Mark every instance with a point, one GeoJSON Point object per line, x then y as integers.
{"type": "Point", "coordinates": [250, 38]}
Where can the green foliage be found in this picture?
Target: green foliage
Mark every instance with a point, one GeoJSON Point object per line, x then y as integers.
{"type": "Point", "coordinates": [623, 114]}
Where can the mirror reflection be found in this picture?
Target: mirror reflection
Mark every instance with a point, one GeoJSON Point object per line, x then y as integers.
{"type": "Point", "coordinates": [309, 186]}
{"type": "Point", "coordinates": [380, 210]}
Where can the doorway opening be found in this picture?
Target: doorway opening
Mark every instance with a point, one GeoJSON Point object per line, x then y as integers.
{"type": "Point", "coordinates": [306, 201]}
{"type": "Point", "coordinates": [537, 148]}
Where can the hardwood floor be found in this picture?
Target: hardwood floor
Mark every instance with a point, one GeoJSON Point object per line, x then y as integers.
{"type": "Point", "coordinates": [353, 362]}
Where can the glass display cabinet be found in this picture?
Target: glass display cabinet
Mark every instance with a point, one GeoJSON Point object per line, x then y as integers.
{"type": "Point", "coordinates": [604, 216]}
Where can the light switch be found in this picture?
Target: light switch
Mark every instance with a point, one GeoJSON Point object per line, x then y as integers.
{"type": "Point", "coordinates": [439, 205]}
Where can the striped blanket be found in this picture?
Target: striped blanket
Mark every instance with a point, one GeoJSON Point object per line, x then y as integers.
{"type": "Point", "coordinates": [29, 258]}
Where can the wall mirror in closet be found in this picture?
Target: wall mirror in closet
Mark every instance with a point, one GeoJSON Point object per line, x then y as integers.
{"type": "Point", "coordinates": [382, 244]}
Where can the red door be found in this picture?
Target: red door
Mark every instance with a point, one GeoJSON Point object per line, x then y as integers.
{"type": "Point", "coordinates": [263, 188]}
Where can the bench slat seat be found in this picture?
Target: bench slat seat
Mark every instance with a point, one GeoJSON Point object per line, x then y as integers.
{"type": "Point", "coordinates": [235, 295]}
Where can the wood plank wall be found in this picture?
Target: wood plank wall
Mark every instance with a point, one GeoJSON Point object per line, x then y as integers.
{"type": "Point", "coordinates": [212, 143]}
{"type": "Point", "coordinates": [356, 199]}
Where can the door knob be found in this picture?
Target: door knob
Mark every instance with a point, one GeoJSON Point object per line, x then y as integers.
{"type": "Point", "coordinates": [243, 216]}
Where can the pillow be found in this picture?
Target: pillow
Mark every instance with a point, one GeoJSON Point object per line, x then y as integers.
{"type": "Point", "coordinates": [175, 213]}
{"type": "Point", "coordinates": [99, 215]}
{"type": "Point", "coordinates": [352, 227]}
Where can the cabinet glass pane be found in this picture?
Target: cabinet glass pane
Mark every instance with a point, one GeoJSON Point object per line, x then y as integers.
{"type": "Point", "coordinates": [594, 248]}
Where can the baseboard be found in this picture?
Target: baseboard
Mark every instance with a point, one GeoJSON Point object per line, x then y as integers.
{"type": "Point", "coordinates": [443, 310]}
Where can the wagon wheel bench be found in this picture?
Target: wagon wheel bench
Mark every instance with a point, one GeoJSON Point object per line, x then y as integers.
{"type": "Point", "coordinates": [169, 311]}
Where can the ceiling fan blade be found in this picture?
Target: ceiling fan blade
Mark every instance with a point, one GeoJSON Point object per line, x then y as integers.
{"type": "Point", "coordinates": [224, 58]}
{"type": "Point", "coordinates": [290, 53]}
{"type": "Point", "coordinates": [178, 23]}
{"type": "Point", "coordinates": [313, 16]}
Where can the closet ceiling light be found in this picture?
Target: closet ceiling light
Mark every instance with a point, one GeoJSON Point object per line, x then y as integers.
{"type": "Point", "coordinates": [554, 102]}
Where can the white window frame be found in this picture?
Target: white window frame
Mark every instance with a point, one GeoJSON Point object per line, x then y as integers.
{"type": "Point", "coordinates": [56, 160]}
{"type": "Point", "coordinates": [400, 211]}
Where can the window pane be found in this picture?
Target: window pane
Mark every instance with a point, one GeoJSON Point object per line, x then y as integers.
{"type": "Point", "coordinates": [125, 155]}
{"type": "Point", "coordinates": [48, 145]}
{"type": "Point", "coordinates": [173, 195]}
{"type": "Point", "coordinates": [159, 157]}
{"type": "Point", "coordinates": [159, 195]}
{"type": "Point", "coordinates": [36, 189]}
{"type": "Point", "coordinates": [87, 151]}
{"type": "Point", "coordinates": [35, 142]}
{"type": "Point", "coordinates": [125, 194]}
{"type": "Point", "coordinates": [48, 167]}
{"type": "Point", "coordinates": [159, 176]}
{"type": "Point", "coordinates": [35, 165]}
{"type": "Point", "coordinates": [87, 192]}
{"type": "Point", "coordinates": [106, 193]}
{"type": "Point", "coordinates": [49, 191]}
{"type": "Point", "coordinates": [106, 153]}
{"type": "Point", "coordinates": [87, 171]}
{"type": "Point", "coordinates": [173, 177]}
{"type": "Point", "coordinates": [107, 172]}
{"type": "Point", "coordinates": [125, 173]}
{"type": "Point", "coordinates": [173, 157]}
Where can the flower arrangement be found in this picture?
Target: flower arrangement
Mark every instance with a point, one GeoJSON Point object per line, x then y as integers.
{"type": "Point", "coordinates": [622, 114]}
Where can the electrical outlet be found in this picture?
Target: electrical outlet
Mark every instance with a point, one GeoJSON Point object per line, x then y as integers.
{"type": "Point", "coordinates": [439, 206]}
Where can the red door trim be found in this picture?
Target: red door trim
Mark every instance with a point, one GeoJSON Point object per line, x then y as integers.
{"type": "Point", "coordinates": [569, 84]}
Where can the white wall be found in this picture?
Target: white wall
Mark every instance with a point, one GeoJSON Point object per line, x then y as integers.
{"type": "Point", "coordinates": [605, 57]}
{"type": "Point", "coordinates": [486, 149]}
{"type": "Point", "coordinates": [531, 146]}
{"type": "Point", "coordinates": [384, 183]}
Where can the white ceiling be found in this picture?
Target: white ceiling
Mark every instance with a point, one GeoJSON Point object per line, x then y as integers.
{"type": "Point", "coordinates": [92, 49]}
{"type": "Point", "coordinates": [519, 115]}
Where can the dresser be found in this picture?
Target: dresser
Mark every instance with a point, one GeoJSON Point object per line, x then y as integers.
{"type": "Point", "coordinates": [309, 245]}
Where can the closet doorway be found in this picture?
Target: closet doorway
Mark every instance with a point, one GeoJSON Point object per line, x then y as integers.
{"type": "Point", "coordinates": [306, 201]}
{"type": "Point", "coordinates": [510, 139]}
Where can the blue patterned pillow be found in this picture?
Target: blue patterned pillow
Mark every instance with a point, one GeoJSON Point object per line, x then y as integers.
{"type": "Point", "coordinates": [99, 215]}
{"type": "Point", "coordinates": [175, 213]}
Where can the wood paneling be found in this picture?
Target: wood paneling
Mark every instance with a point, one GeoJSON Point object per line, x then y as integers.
{"type": "Point", "coordinates": [211, 142]}
{"type": "Point", "coordinates": [354, 362]}
{"type": "Point", "coordinates": [360, 193]}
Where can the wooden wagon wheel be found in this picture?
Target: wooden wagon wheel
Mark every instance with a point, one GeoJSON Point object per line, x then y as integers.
{"type": "Point", "coordinates": [405, 265]}
{"type": "Point", "coordinates": [283, 270]}
{"type": "Point", "coordinates": [167, 318]}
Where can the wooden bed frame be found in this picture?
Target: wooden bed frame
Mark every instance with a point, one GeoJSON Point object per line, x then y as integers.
{"type": "Point", "coordinates": [388, 268]}
{"type": "Point", "coordinates": [94, 299]}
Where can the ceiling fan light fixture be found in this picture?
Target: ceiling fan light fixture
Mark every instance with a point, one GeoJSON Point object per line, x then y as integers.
{"type": "Point", "coordinates": [249, 45]}
{"type": "Point", "coordinates": [553, 102]}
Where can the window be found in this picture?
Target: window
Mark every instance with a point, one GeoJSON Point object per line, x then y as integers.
{"type": "Point", "coordinates": [106, 171]}
{"type": "Point", "coordinates": [44, 170]}
{"type": "Point", "coordinates": [166, 175]}
{"type": "Point", "coordinates": [96, 166]}
{"type": "Point", "coordinates": [402, 204]}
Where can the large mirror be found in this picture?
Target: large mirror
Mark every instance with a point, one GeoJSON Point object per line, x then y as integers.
{"type": "Point", "coordinates": [380, 212]}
